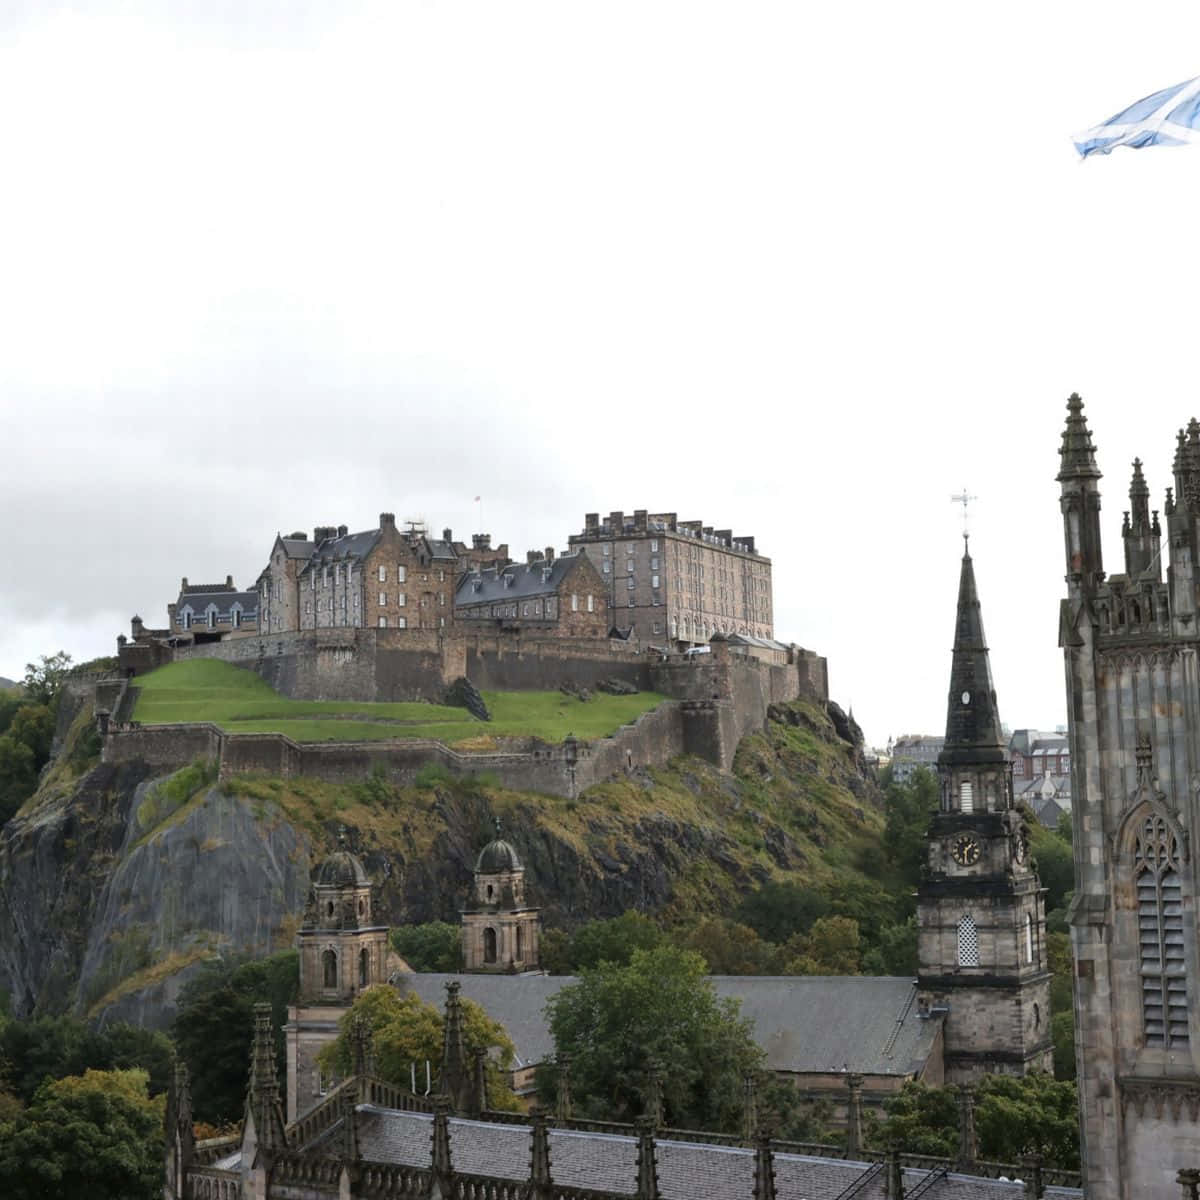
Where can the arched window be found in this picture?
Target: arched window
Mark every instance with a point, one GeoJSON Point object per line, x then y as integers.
{"type": "Point", "coordinates": [1160, 929]}
{"type": "Point", "coordinates": [364, 967]}
{"type": "Point", "coordinates": [968, 942]}
{"type": "Point", "coordinates": [520, 954]}
{"type": "Point", "coordinates": [1028, 938]}
{"type": "Point", "coordinates": [489, 945]}
{"type": "Point", "coordinates": [212, 617]}
{"type": "Point", "coordinates": [329, 963]}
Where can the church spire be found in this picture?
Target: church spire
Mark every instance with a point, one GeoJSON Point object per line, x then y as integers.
{"type": "Point", "coordinates": [972, 720]}
{"type": "Point", "coordinates": [262, 1097]}
{"type": "Point", "coordinates": [1077, 453]}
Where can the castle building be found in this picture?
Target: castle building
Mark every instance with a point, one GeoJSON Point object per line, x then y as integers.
{"type": "Point", "coordinates": [981, 918]}
{"type": "Point", "coordinates": [678, 582]}
{"type": "Point", "coordinates": [279, 583]}
{"type": "Point", "coordinates": [500, 932]}
{"type": "Point", "coordinates": [563, 596]}
{"type": "Point", "coordinates": [342, 953]}
{"type": "Point", "coordinates": [212, 612]}
{"type": "Point", "coordinates": [1130, 642]}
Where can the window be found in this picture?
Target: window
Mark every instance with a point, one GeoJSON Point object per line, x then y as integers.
{"type": "Point", "coordinates": [525, 610]}
{"type": "Point", "coordinates": [383, 574]}
{"type": "Point", "coordinates": [355, 599]}
{"type": "Point", "coordinates": [1160, 929]}
{"type": "Point", "coordinates": [401, 599]}
{"type": "Point", "coordinates": [187, 618]}
{"type": "Point", "coordinates": [574, 602]}
{"type": "Point", "coordinates": [968, 942]}
{"type": "Point", "coordinates": [401, 622]}
{"type": "Point", "coordinates": [630, 582]}
{"type": "Point", "coordinates": [401, 574]}
{"type": "Point", "coordinates": [966, 796]}
{"type": "Point", "coordinates": [324, 576]}
{"type": "Point", "coordinates": [520, 949]}
{"type": "Point", "coordinates": [441, 622]}
{"type": "Point", "coordinates": [383, 622]}
{"type": "Point", "coordinates": [653, 545]}
{"type": "Point", "coordinates": [364, 968]}
{"type": "Point", "coordinates": [236, 616]}
{"type": "Point", "coordinates": [312, 581]}
{"type": "Point", "coordinates": [591, 603]}
{"type": "Point", "coordinates": [212, 618]}
{"type": "Point", "coordinates": [607, 550]}
{"type": "Point", "coordinates": [654, 581]}
{"type": "Point", "coordinates": [489, 945]}
{"type": "Point", "coordinates": [657, 627]}
{"type": "Point", "coordinates": [442, 599]}
{"type": "Point", "coordinates": [382, 599]}
{"type": "Point", "coordinates": [607, 566]}
{"type": "Point", "coordinates": [1028, 938]}
{"type": "Point", "coordinates": [308, 607]}
{"type": "Point", "coordinates": [337, 573]}
{"type": "Point", "coordinates": [654, 564]}
{"type": "Point", "coordinates": [329, 965]}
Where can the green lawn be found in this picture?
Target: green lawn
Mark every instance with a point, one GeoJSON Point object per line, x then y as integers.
{"type": "Point", "coordinates": [205, 689]}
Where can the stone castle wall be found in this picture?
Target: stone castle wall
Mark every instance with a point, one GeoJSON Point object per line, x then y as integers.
{"type": "Point", "coordinates": [504, 662]}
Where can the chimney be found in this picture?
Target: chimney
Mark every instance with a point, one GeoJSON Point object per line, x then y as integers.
{"type": "Point", "coordinates": [639, 520]}
{"type": "Point", "coordinates": [299, 536]}
{"type": "Point", "coordinates": [549, 554]}
{"type": "Point", "coordinates": [387, 520]}
{"type": "Point", "coordinates": [531, 556]}
{"type": "Point", "coordinates": [323, 532]}
{"type": "Point", "coordinates": [591, 523]}
{"type": "Point", "coordinates": [616, 519]}
{"type": "Point", "coordinates": [343, 530]}
{"type": "Point", "coordinates": [447, 535]}
{"type": "Point", "coordinates": [229, 582]}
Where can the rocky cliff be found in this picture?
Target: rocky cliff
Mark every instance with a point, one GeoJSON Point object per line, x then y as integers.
{"type": "Point", "coordinates": [115, 884]}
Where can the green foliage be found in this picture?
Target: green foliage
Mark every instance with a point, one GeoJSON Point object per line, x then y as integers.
{"type": "Point", "coordinates": [894, 952]}
{"type": "Point", "coordinates": [909, 808]}
{"type": "Point", "coordinates": [239, 700]}
{"type": "Point", "coordinates": [433, 775]}
{"type": "Point", "coordinates": [1055, 862]}
{"type": "Point", "coordinates": [33, 724]}
{"type": "Point", "coordinates": [214, 1027]}
{"type": "Point", "coordinates": [406, 1032]}
{"type": "Point", "coordinates": [434, 946]}
{"type": "Point", "coordinates": [44, 679]}
{"type": "Point", "coordinates": [1014, 1116]}
{"type": "Point", "coordinates": [729, 948]}
{"type": "Point", "coordinates": [831, 947]}
{"type": "Point", "coordinates": [96, 1135]}
{"type": "Point", "coordinates": [778, 910]}
{"type": "Point", "coordinates": [49, 1048]}
{"type": "Point", "coordinates": [659, 1007]}
{"type": "Point", "coordinates": [167, 796]}
{"type": "Point", "coordinates": [18, 775]}
{"type": "Point", "coordinates": [609, 940]}
{"type": "Point", "coordinates": [376, 791]}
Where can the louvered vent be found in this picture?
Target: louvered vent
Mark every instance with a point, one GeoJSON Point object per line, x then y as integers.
{"type": "Point", "coordinates": [968, 942]}
{"type": "Point", "coordinates": [1160, 935]}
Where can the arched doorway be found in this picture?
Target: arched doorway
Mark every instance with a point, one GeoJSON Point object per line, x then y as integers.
{"type": "Point", "coordinates": [489, 945]}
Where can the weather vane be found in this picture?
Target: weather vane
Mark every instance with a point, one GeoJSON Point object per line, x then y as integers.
{"type": "Point", "coordinates": [964, 498]}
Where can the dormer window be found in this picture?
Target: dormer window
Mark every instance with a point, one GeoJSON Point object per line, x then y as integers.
{"type": "Point", "coordinates": [236, 616]}
{"type": "Point", "coordinates": [212, 617]}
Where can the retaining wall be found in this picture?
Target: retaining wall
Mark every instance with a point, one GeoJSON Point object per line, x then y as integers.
{"type": "Point", "coordinates": [508, 662]}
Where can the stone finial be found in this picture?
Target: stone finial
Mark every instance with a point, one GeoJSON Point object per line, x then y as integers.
{"type": "Point", "coordinates": [455, 1082]}
{"type": "Point", "coordinates": [1189, 1181]}
{"type": "Point", "coordinates": [564, 1103]}
{"type": "Point", "coordinates": [443, 1168]}
{"type": "Point", "coordinates": [654, 1094]}
{"type": "Point", "coordinates": [749, 1108]}
{"type": "Point", "coordinates": [968, 1142]}
{"type": "Point", "coordinates": [893, 1179]}
{"type": "Point", "coordinates": [262, 1094]}
{"type": "Point", "coordinates": [647, 1166]}
{"type": "Point", "coordinates": [1077, 453]}
{"type": "Point", "coordinates": [854, 1116]}
{"type": "Point", "coordinates": [349, 1147]}
{"type": "Point", "coordinates": [1035, 1187]}
{"type": "Point", "coordinates": [361, 1039]}
{"type": "Point", "coordinates": [540, 1182]}
{"type": "Point", "coordinates": [764, 1168]}
{"type": "Point", "coordinates": [479, 1087]}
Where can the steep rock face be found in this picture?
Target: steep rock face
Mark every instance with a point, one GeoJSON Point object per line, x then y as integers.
{"type": "Point", "coordinates": [115, 886]}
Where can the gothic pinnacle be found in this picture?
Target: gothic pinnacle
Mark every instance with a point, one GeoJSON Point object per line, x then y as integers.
{"type": "Point", "coordinates": [1077, 452]}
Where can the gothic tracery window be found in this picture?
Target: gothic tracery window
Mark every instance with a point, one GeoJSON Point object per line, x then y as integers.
{"type": "Point", "coordinates": [1160, 934]}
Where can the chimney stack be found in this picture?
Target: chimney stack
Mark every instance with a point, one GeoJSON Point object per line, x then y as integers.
{"type": "Point", "coordinates": [229, 582]}
{"type": "Point", "coordinates": [387, 520]}
{"type": "Point", "coordinates": [343, 530]}
{"type": "Point", "coordinates": [549, 555]}
{"type": "Point", "coordinates": [447, 535]}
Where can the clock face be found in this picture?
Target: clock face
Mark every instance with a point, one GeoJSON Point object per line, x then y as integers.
{"type": "Point", "coordinates": [966, 697]}
{"type": "Point", "coordinates": [965, 851]}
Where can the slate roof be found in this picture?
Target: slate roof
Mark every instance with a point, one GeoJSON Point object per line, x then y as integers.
{"type": "Point", "coordinates": [528, 580]}
{"type": "Point", "coordinates": [203, 588]}
{"type": "Point", "coordinates": [805, 1023]}
{"type": "Point", "coordinates": [686, 1170]}
{"type": "Point", "coordinates": [337, 549]}
{"type": "Point", "coordinates": [297, 547]}
{"type": "Point", "coordinates": [199, 598]}
{"type": "Point", "coordinates": [440, 550]}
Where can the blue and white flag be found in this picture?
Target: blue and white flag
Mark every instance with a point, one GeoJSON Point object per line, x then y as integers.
{"type": "Point", "coordinates": [1168, 118]}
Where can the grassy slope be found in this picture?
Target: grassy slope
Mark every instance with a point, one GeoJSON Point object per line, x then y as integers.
{"type": "Point", "coordinates": [238, 700]}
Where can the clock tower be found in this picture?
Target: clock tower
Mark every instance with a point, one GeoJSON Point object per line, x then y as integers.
{"type": "Point", "coordinates": [980, 907]}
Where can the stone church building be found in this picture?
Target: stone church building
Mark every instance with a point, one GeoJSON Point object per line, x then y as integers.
{"type": "Point", "coordinates": [1130, 641]}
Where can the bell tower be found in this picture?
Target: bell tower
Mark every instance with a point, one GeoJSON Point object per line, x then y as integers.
{"type": "Point", "coordinates": [500, 933]}
{"type": "Point", "coordinates": [980, 906]}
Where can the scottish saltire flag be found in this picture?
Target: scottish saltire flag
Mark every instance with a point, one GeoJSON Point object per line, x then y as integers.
{"type": "Point", "coordinates": [1168, 118]}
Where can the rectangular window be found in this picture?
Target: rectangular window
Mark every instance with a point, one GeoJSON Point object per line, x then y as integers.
{"type": "Point", "coordinates": [654, 564]}
{"type": "Point", "coordinates": [607, 550]}
{"type": "Point", "coordinates": [383, 622]}
{"type": "Point", "coordinates": [337, 573]}
{"type": "Point", "coordinates": [308, 606]}
{"type": "Point", "coordinates": [630, 582]}
{"type": "Point", "coordinates": [654, 581]}
{"type": "Point", "coordinates": [355, 599]}
{"type": "Point", "coordinates": [324, 576]}
{"type": "Point", "coordinates": [574, 602]}
{"type": "Point", "coordinates": [591, 602]}
{"type": "Point", "coordinates": [383, 574]}
{"type": "Point", "coordinates": [401, 574]}
{"type": "Point", "coordinates": [653, 545]}
{"type": "Point", "coordinates": [402, 599]}
{"type": "Point", "coordinates": [607, 567]}
{"type": "Point", "coordinates": [442, 599]}
{"type": "Point", "coordinates": [382, 599]}
{"type": "Point", "coordinates": [312, 582]}
{"type": "Point", "coordinates": [441, 577]}
{"type": "Point", "coordinates": [401, 622]}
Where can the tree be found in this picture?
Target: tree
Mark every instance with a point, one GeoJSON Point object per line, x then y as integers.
{"type": "Point", "coordinates": [1055, 864]}
{"type": "Point", "coordinates": [214, 1027]}
{"type": "Point", "coordinates": [909, 807]}
{"type": "Point", "coordinates": [659, 1008]}
{"type": "Point", "coordinates": [97, 1135]}
{"type": "Point", "coordinates": [831, 947]}
{"type": "Point", "coordinates": [894, 952]}
{"type": "Point", "coordinates": [44, 679]}
{"type": "Point", "coordinates": [33, 724]}
{"type": "Point", "coordinates": [729, 948]}
{"type": "Point", "coordinates": [18, 776]}
{"type": "Point", "coordinates": [779, 910]}
{"type": "Point", "coordinates": [435, 946]}
{"type": "Point", "coordinates": [1015, 1115]}
{"type": "Point", "coordinates": [406, 1032]}
{"type": "Point", "coordinates": [612, 940]}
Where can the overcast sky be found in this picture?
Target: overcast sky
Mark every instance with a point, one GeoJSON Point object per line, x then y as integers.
{"type": "Point", "coordinates": [801, 270]}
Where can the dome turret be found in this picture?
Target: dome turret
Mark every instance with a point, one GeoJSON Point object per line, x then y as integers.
{"type": "Point", "coordinates": [341, 869]}
{"type": "Point", "coordinates": [496, 857]}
